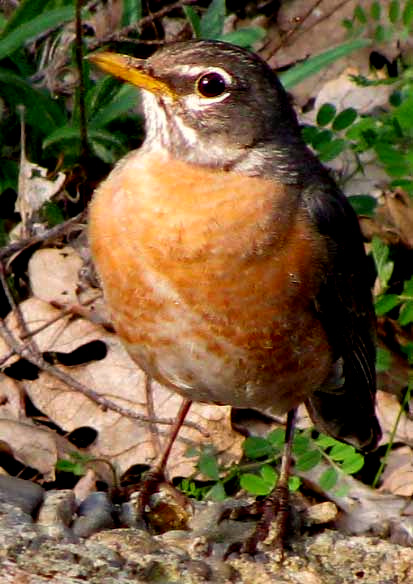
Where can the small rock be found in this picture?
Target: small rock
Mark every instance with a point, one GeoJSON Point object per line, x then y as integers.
{"type": "Point", "coordinates": [95, 513]}
{"type": "Point", "coordinates": [321, 514]}
{"type": "Point", "coordinates": [20, 493]}
{"type": "Point", "coordinates": [56, 514]}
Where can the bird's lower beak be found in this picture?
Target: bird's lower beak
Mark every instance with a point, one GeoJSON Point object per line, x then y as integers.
{"type": "Point", "coordinates": [132, 70]}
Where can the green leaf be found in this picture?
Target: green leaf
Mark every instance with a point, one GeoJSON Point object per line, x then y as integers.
{"type": "Point", "coordinates": [348, 24]}
{"type": "Point", "coordinates": [255, 484]}
{"type": "Point", "coordinates": [406, 314]}
{"type": "Point", "coordinates": [328, 479]}
{"type": "Point", "coordinates": [38, 25]}
{"type": "Point", "coordinates": [216, 493]}
{"type": "Point", "coordinates": [208, 466]}
{"type": "Point", "coordinates": [383, 360]}
{"type": "Point", "coordinates": [132, 12]}
{"type": "Point", "coordinates": [363, 204]}
{"type": "Point", "coordinates": [42, 112]}
{"type": "Point", "coordinates": [375, 10]}
{"type": "Point", "coordinates": [72, 133]}
{"type": "Point", "coordinates": [125, 99]}
{"type": "Point", "coordinates": [386, 302]}
{"type": "Point", "coordinates": [353, 463]}
{"type": "Point", "coordinates": [408, 13]}
{"type": "Point", "coordinates": [408, 288]}
{"type": "Point", "coordinates": [212, 22]}
{"type": "Point", "coordinates": [101, 151]}
{"type": "Point", "coordinates": [294, 483]}
{"type": "Point", "coordinates": [326, 114]}
{"type": "Point", "coordinates": [387, 153]}
{"type": "Point", "coordinates": [332, 150]}
{"type": "Point", "coordinates": [309, 133]}
{"type": "Point", "coordinates": [403, 116]}
{"type": "Point", "coordinates": [269, 475]}
{"type": "Point", "coordinates": [244, 37]}
{"type": "Point", "coordinates": [256, 447]}
{"type": "Point", "coordinates": [360, 14]}
{"type": "Point", "coordinates": [308, 460]}
{"type": "Point", "coordinates": [344, 119]}
{"type": "Point", "coordinates": [276, 438]}
{"type": "Point", "coordinates": [384, 266]}
{"type": "Point", "coordinates": [193, 19]}
{"type": "Point", "coordinates": [76, 468]}
{"type": "Point", "coordinates": [53, 213]}
{"type": "Point", "coordinates": [341, 452]}
{"type": "Point", "coordinates": [26, 11]}
{"type": "Point", "coordinates": [394, 11]}
{"type": "Point", "coordinates": [322, 138]}
{"type": "Point", "coordinates": [382, 34]}
{"type": "Point", "coordinates": [301, 444]}
{"type": "Point", "coordinates": [314, 64]}
{"type": "Point", "coordinates": [325, 441]}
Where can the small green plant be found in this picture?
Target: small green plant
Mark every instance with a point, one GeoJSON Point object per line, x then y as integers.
{"type": "Point", "coordinates": [211, 25]}
{"type": "Point", "coordinates": [76, 463]}
{"type": "Point", "coordinates": [386, 302]}
{"type": "Point", "coordinates": [257, 473]}
{"type": "Point", "coordinates": [380, 23]}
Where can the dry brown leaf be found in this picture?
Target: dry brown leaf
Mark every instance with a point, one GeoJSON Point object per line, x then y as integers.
{"type": "Point", "coordinates": [388, 408]}
{"type": "Point", "coordinates": [393, 219]}
{"type": "Point", "coordinates": [34, 188]}
{"type": "Point", "coordinates": [11, 399]}
{"type": "Point", "coordinates": [397, 477]}
{"type": "Point", "coordinates": [54, 274]}
{"type": "Point", "coordinates": [39, 448]}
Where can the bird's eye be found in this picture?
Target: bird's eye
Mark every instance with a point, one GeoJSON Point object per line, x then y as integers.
{"type": "Point", "coordinates": [211, 85]}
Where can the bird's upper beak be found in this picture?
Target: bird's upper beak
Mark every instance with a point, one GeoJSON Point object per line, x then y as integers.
{"type": "Point", "coordinates": [133, 70]}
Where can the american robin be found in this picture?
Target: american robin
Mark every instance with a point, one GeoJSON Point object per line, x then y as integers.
{"type": "Point", "coordinates": [232, 263]}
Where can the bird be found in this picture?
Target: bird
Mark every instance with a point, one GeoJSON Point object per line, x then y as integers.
{"type": "Point", "coordinates": [232, 263]}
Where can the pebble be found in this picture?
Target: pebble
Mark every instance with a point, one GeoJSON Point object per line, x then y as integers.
{"type": "Point", "coordinates": [25, 495]}
{"type": "Point", "coordinates": [96, 512]}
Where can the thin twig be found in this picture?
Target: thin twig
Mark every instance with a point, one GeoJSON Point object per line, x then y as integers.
{"type": "Point", "coordinates": [64, 311]}
{"type": "Point", "coordinates": [137, 26]}
{"type": "Point", "coordinates": [50, 235]}
{"type": "Point", "coordinates": [299, 23]}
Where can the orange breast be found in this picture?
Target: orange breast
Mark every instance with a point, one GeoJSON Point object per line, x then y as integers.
{"type": "Point", "coordinates": [210, 278]}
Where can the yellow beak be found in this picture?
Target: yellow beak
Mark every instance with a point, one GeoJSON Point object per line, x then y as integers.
{"type": "Point", "coordinates": [132, 70]}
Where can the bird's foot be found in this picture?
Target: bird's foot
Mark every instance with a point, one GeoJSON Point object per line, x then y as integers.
{"type": "Point", "coordinates": [270, 531]}
{"type": "Point", "coordinates": [150, 483]}
{"type": "Point", "coordinates": [159, 505]}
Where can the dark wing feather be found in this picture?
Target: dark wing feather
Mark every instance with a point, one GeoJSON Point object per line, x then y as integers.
{"type": "Point", "coordinates": [344, 408]}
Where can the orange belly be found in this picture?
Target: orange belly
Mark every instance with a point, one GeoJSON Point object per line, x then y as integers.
{"type": "Point", "coordinates": [209, 287]}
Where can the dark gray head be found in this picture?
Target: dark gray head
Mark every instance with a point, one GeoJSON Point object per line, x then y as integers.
{"type": "Point", "coordinates": [214, 104]}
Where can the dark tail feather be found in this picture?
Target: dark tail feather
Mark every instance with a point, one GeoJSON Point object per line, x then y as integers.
{"type": "Point", "coordinates": [346, 414]}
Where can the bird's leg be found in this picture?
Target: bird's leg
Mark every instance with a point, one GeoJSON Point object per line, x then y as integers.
{"type": "Point", "coordinates": [156, 476]}
{"type": "Point", "coordinates": [275, 508]}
